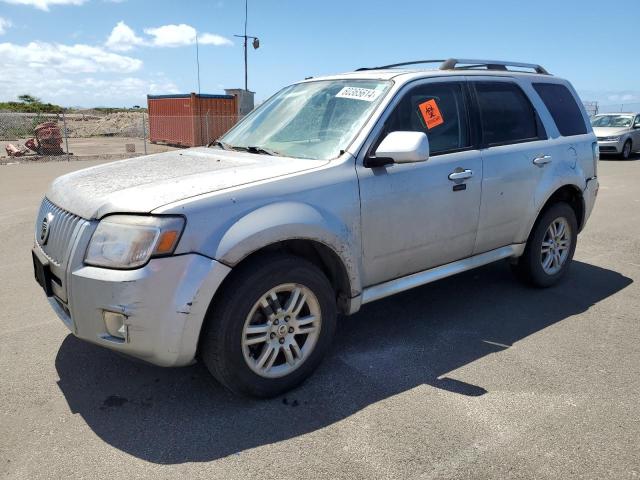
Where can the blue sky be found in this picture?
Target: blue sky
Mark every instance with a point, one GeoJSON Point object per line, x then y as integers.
{"type": "Point", "coordinates": [106, 52]}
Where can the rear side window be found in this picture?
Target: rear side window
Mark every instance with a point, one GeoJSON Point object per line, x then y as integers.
{"type": "Point", "coordinates": [563, 108]}
{"type": "Point", "coordinates": [506, 113]}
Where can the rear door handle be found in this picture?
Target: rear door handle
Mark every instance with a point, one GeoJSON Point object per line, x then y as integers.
{"type": "Point", "coordinates": [542, 160]}
{"type": "Point", "coordinates": [460, 175]}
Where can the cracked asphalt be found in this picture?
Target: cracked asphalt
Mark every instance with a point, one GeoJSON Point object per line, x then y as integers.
{"type": "Point", "coordinates": [475, 376]}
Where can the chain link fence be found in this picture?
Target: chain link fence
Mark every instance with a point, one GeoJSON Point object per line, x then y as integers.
{"type": "Point", "coordinates": [594, 108]}
{"type": "Point", "coordinates": [108, 136]}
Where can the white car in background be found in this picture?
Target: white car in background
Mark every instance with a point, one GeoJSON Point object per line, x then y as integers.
{"type": "Point", "coordinates": [618, 133]}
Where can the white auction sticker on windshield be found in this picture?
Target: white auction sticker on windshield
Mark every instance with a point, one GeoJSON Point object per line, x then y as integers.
{"type": "Point", "coordinates": [357, 93]}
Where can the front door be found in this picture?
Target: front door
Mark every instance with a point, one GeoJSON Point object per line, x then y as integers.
{"type": "Point", "coordinates": [414, 216]}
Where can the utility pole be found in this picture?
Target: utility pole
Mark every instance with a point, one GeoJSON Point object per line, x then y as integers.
{"type": "Point", "coordinates": [198, 62]}
{"type": "Point", "coordinates": [245, 37]}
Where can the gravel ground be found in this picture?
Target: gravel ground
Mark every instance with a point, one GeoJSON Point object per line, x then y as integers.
{"type": "Point", "coordinates": [473, 377]}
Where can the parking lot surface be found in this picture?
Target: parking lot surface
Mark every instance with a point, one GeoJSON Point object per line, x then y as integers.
{"type": "Point", "coordinates": [475, 376]}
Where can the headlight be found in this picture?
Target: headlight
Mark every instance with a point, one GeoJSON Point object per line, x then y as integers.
{"type": "Point", "coordinates": [610, 139]}
{"type": "Point", "coordinates": [129, 241]}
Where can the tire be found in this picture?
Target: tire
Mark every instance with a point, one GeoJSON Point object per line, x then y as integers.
{"type": "Point", "coordinates": [225, 344]}
{"type": "Point", "coordinates": [626, 150]}
{"type": "Point", "coordinates": [532, 267]}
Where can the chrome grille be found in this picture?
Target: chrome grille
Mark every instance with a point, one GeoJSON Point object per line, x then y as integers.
{"type": "Point", "coordinates": [61, 229]}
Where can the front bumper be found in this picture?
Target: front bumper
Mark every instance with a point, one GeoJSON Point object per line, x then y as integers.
{"type": "Point", "coordinates": [165, 303]}
{"type": "Point", "coordinates": [610, 147]}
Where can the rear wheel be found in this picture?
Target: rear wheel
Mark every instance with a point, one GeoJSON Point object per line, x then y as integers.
{"type": "Point", "coordinates": [626, 150]}
{"type": "Point", "coordinates": [270, 326]}
{"type": "Point", "coordinates": [550, 247]}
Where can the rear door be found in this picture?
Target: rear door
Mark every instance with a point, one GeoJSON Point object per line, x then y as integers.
{"type": "Point", "coordinates": [514, 153]}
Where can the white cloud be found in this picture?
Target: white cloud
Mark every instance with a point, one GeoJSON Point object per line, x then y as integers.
{"type": "Point", "coordinates": [44, 4]}
{"type": "Point", "coordinates": [123, 38]}
{"type": "Point", "coordinates": [213, 39]}
{"type": "Point", "coordinates": [87, 92]}
{"type": "Point", "coordinates": [57, 57]}
{"type": "Point", "coordinates": [623, 97]}
{"type": "Point", "coordinates": [4, 24]}
{"type": "Point", "coordinates": [172, 35]}
{"type": "Point", "coordinates": [75, 75]}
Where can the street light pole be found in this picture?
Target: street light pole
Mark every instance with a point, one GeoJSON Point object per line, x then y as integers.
{"type": "Point", "coordinates": [245, 37]}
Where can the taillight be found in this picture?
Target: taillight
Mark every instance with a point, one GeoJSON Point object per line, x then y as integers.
{"type": "Point", "coordinates": [596, 158]}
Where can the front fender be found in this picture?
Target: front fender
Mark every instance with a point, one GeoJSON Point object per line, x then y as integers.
{"type": "Point", "coordinates": [282, 221]}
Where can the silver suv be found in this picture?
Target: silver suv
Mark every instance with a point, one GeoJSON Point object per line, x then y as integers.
{"type": "Point", "coordinates": [336, 192]}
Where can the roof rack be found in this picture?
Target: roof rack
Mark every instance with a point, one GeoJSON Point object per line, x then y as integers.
{"type": "Point", "coordinates": [452, 64]}
{"type": "Point", "coordinates": [467, 64]}
{"type": "Point", "coordinates": [403, 64]}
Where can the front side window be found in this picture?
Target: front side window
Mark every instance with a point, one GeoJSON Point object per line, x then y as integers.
{"type": "Point", "coordinates": [563, 108]}
{"type": "Point", "coordinates": [439, 110]}
{"type": "Point", "coordinates": [506, 113]}
{"type": "Point", "coordinates": [315, 120]}
{"type": "Point", "coordinates": [614, 121]}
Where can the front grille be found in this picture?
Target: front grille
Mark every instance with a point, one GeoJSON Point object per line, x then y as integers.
{"type": "Point", "coordinates": [62, 225]}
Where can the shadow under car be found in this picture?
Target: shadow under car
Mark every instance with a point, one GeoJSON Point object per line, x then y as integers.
{"type": "Point", "coordinates": [170, 416]}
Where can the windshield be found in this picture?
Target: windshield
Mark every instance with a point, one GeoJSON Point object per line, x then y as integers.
{"type": "Point", "coordinates": [612, 121]}
{"type": "Point", "coordinates": [315, 120]}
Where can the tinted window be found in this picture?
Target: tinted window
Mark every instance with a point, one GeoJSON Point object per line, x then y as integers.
{"type": "Point", "coordinates": [439, 110]}
{"type": "Point", "coordinates": [563, 108]}
{"type": "Point", "coordinates": [506, 113]}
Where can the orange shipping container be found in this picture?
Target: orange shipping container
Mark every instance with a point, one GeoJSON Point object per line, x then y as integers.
{"type": "Point", "coordinates": [190, 119]}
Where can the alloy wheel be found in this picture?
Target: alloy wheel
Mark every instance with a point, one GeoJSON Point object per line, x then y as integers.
{"type": "Point", "coordinates": [556, 245]}
{"type": "Point", "coordinates": [281, 330]}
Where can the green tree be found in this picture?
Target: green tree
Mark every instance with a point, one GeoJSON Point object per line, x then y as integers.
{"type": "Point", "coordinates": [30, 99]}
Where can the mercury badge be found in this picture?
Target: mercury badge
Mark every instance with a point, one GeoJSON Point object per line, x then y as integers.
{"type": "Point", "coordinates": [44, 228]}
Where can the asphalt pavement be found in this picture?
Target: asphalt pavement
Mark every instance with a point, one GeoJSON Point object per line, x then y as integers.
{"type": "Point", "coordinates": [475, 376]}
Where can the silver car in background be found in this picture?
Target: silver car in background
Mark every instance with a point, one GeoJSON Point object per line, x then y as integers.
{"type": "Point", "coordinates": [618, 133]}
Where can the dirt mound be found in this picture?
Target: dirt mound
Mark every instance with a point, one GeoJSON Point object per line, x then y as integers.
{"type": "Point", "coordinates": [122, 124]}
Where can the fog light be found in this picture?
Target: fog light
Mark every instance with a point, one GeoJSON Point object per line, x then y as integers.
{"type": "Point", "coordinates": [114, 323]}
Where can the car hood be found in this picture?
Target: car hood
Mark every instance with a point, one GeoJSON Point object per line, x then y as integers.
{"type": "Point", "coordinates": [142, 184]}
{"type": "Point", "coordinates": [609, 131]}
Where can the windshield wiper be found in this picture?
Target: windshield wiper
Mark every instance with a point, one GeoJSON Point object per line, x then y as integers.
{"type": "Point", "coordinates": [222, 145]}
{"type": "Point", "coordinates": [259, 150]}
{"type": "Point", "coordinates": [250, 149]}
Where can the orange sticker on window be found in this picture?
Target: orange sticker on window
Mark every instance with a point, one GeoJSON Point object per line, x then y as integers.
{"type": "Point", "coordinates": [431, 114]}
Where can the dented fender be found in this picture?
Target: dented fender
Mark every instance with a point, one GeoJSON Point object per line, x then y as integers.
{"type": "Point", "coordinates": [288, 220]}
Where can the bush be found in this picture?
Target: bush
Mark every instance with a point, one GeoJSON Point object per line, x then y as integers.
{"type": "Point", "coordinates": [30, 107]}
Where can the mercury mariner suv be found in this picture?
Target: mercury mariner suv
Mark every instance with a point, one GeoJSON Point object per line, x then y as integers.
{"type": "Point", "coordinates": [334, 193]}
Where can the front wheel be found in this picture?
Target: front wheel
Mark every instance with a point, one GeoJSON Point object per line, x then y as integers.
{"type": "Point", "coordinates": [270, 326]}
{"type": "Point", "coordinates": [626, 150]}
{"type": "Point", "coordinates": [550, 247]}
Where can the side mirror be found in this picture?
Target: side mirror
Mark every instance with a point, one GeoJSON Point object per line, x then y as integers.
{"type": "Point", "coordinates": [401, 147]}
{"type": "Point", "coordinates": [637, 125]}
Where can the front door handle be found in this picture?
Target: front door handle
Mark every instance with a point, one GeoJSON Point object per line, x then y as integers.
{"type": "Point", "coordinates": [460, 175]}
{"type": "Point", "coordinates": [542, 160]}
